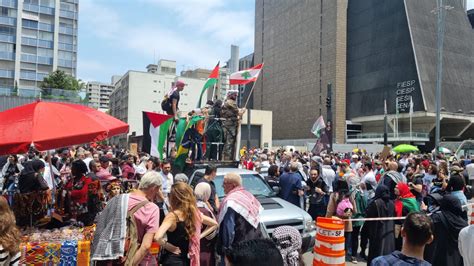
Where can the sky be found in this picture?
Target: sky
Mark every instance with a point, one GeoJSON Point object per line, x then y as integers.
{"type": "Point", "coordinates": [120, 35]}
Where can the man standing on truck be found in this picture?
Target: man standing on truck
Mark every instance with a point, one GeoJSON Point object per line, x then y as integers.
{"type": "Point", "coordinates": [230, 114]}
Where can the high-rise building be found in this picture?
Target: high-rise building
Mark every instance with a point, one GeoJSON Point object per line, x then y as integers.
{"type": "Point", "coordinates": [98, 94]}
{"type": "Point", "coordinates": [365, 51]}
{"type": "Point", "coordinates": [138, 91]}
{"type": "Point", "coordinates": [36, 38]}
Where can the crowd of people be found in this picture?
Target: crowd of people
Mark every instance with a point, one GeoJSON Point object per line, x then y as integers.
{"type": "Point", "coordinates": [357, 185]}
{"type": "Point", "coordinates": [136, 200]}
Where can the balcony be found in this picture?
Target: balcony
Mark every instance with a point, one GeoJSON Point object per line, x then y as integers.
{"type": "Point", "coordinates": [45, 60]}
{"type": "Point", "coordinates": [45, 44]}
{"type": "Point", "coordinates": [8, 3]}
{"type": "Point", "coordinates": [392, 137]}
{"type": "Point", "coordinates": [46, 27]}
{"type": "Point", "coordinates": [28, 58]}
{"type": "Point", "coordinates": [38, 9]}
{"type": "Point", "coordinates": [6, 91]}
{"type": "Point", "coordinates": [65, 63]}
{"type": "Point", "coordinates": [29, 41]}
{"type": "Point", "coordinates": [6, 73]}
{"type": "Point", "coordinates": [67, 30]}
{"type": "Point", "coordinates": [7, 56]}
{"type": "Point", "coordinates": [7, 21]}
{"type": "Point", "coordinates": [67, 47]}
{"type": "Point", "coordinates": [7, 38]}
{"type": "Point", "coordinates": [67, 14]}
{"type": "Point", "coordinates": [28, 75]}
{"type": "Point", "coordinates": [29, 92]}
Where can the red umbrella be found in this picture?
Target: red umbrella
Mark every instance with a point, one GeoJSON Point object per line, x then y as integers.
{"type": "Point", "coordinates": [50, 125]}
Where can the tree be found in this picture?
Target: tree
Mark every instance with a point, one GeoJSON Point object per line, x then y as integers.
{"type": "Point", "coordinates": [60, 80]}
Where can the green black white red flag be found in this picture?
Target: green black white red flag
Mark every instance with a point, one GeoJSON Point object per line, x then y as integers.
{"type": "Point", "coordinates": [211, 81]}
{"type": "Point", "coordinates": [155, 131]}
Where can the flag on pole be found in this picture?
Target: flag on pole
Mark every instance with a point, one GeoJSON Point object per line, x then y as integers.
{"type": "Point", "coordinates": [184, 145]}
{"type": "Point", "coordinates": [245, 76]}
{"type": "Point", "coordinates": [318, 126]}
{"type": "Point", "coordinates": [211, 81]}
{"type": "Point", "coordinates": [385, 107]}
{"type": "Point", "coordinates": [155, 131]}
{"type": "Point", "coordinates": [411, 105]}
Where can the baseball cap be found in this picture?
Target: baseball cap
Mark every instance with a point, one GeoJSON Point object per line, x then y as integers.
{"type": "Point", "coordinates": [104, 159]}
{"type": "Point", "coordinates": [179, 83]}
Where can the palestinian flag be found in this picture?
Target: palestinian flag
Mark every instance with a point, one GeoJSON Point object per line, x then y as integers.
{"type": "Point", "coordinates": [211, 81]}
{"type": "Point", "coordinates": [155, 131]}
{"type": "Point", "coordinates": [184, 145]}
{"type": "Point", "coordinates": [318, 126]}
{"type": "Point", "coordinates": [245, 76]}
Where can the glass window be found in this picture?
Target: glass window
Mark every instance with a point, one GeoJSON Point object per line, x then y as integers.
{"type": "Point", "coordinates": [48, 3]}
{"type": "Point", "coordinates": [29, 33]}
{"type": "Point", "coordinates": [6, 47]}
{"type": "Point", "coordinates": [68, 7]}
{"type": "Point", "coordinates": [4, 11]}
{"type": "Point", "coordinates": [45, 52]}
{"type": "Point", "coordinates": [7, 30]}
{"type": "Point", "coordinates": [30, 23]}
{"type": "Point", "coordinates": [65, 39]}
{"type": "Point", "coordinates": [66, 55]}
{"type": "Point", "coordinates": [32, 2]}
{"type": "Point", "coordinates": [45, 35]}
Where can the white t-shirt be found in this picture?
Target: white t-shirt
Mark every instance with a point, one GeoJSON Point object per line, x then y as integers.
{"type": "Point", "coordinates": [370, 179]}
{"type": "Point", "coordinates": [470, 171]}
{"type": "Point", "coordinates": [87, 161]}
{"type": "Point", "coordinates": [466, 245]}
{"type": "Point", "coordinates": [328, 176]}
{"type": "Point", "coordinates": [7, 259]}
{"type": "Point", "coordinates": [167, 182]}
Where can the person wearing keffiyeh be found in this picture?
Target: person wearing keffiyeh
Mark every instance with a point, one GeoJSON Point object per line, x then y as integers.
{"type": "Point", "coordinates": [288, 241]}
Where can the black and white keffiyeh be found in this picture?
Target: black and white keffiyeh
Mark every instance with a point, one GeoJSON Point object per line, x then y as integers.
{"type": "Point", "coordinates": [288, 241]}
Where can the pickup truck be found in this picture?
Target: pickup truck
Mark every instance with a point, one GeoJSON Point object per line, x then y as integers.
{"type": "Point", "coordinates": [276, 211]}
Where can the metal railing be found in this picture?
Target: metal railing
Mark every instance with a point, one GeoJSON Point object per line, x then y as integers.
{"type": "Point", "coordinates": [38, 9]}
{"type": "Point", "coordinates": [414, 135]}
{"type": "Point", "coordinates": [6, 91]}
{"type": "Point", "coordinates": [46, 27]}
{"type": "Point", "coordinates": [28, 75]}
{"type": "Point", "coordinates": [7, 73]}
{"type": "Point", "coordinates": [7, 56]}
{"type": "Point", "coordinates": [45, 60]}
{"type": "Point", "coordinates": [28, 58]}
{"type": "Point", "coordinates": [8, 3]}
{"type": "Point", "coordinates": [66, 47]}
{"type": "Point", "coordinates": [67, 30]}
{"type": "Point", "coordinates": [65, 63]}
{"type": "Point", "coordinates": [45, 44]}
{"type": "Point", "coordinates": [67, 14]}
{"type": "Point", "coordinates": [7, 38]}
{"type": "Point", "coordinates": [7, 21]}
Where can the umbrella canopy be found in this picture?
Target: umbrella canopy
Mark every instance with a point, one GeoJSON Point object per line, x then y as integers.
{"type": "Point", "coordinates": [50, 125]}
{"type": "Point", "coordinates": [403, 148]}
{"type": "Point", "coordinates": [443, 150]}
{"type": "Point", "coordinates": [357, 150]}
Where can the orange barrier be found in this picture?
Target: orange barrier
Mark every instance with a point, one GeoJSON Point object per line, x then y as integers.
{"type": "Point", "coordinates": [329, 245]}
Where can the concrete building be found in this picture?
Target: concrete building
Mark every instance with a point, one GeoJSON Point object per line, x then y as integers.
{"type": "Point", "coordinates": [98, 94]}
{"type": "Point", "coordinates": [366, 51]}
{"type": "Point", "coordinates": [36, 38]}
{"type": "Point", "coordinates": [391, 54]}
{"type": "Point", "coordinates": [138, 91]}
{"type": "Point", "coordinates": [303, 45]}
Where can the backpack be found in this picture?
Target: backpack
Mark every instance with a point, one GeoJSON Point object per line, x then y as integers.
{"type": "Point", "coordinates": [166, 104]}
{"type": "Point", "coordinates": [131, 239]}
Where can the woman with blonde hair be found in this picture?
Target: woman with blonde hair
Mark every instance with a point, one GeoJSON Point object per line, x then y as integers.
{"type": "Point", "coordinates": [9, 236]}
{"type": "Point", "coordinates": [182, 225]}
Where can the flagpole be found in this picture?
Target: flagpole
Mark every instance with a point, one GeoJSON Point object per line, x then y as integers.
{"type": "Point", "coordinates": [411, 115]}
{"type": "Point", "coordinates": [237, 141]}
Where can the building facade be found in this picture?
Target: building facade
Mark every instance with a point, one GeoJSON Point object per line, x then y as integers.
{"type": "Point", "coordinates": [470, 15]}
{"type": "Point", "coordinates": [138, 91]}
{"type": "Point", "coordinates": [365, 52]}
{"type": "Point", "coordinates": [36, 38]}
{"type": "Point", "coordinates": [98, 95]}
{"type": "Point", "coordinates": [303, 46]}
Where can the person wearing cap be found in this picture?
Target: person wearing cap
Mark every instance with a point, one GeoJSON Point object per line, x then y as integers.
{"type": "Point", "coordinates": [174, 99]}
{"type": "Point", "coordinates": [104, 174]}
{"type": "Point", "coordinates": [231, 115]}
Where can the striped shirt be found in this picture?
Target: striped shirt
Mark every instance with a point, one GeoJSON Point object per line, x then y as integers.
{"type": "Point", "coordinates": [7, 259]}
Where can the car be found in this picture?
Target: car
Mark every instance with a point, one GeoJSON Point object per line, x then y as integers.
{"type": "Point", "coordinates": [276, 211]}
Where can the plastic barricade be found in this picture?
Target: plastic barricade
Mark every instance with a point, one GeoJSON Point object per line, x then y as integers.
{"type": "Point", "coordinates": [329, 245]}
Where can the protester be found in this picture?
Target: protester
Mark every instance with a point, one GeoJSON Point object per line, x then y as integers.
{"type": "Point", "coordinates": [448, 222]}
{"type": "Point", "coordinates": [466, 245]}
{"type": "Point", "coordinates": [291, 186]}
{"type": "Point", "coordinates": [391, 178]}
{"type": "Point", "coordinates": [10, 171]}
{"type": "Point", "coordinates": [231, 115]}
{"type": "Point", "coordinates": [328, 173]}
{"type": "Point", "coordinates": [456, 188]}
{"type": "Point", "coordinates": [104, 173]}
{"type": "Point", "coordinates": [31, 177]}
{"type": "Point", "coordinates": [94, 167]}
{"type": "Point", "coordinates": [128, 171]}
{"type": "Point", "coordinates": [239, 215]}
{"type": "Point", "coordinates": [109, 238]}
{"type": "Point", "coordinates": [404, 204]}
{"type": "Point", "coordinates": [173, 99]}
{"type": "Point", "coordinates": [261, 252]}
{"type": "Point", "coordinates": [183, 228]}
{"type": "Point", "coordinates": [416, 232]}
{"type": "Point", "coordinates": [360, 200]}
{"type": "Point", "coordinates": [273, 176]}
{"type": "Point", "coordinates": [202, 191]}
{"type": "Point", "coordinates": [209, 176]}
{"type": "Point", "coordinates": [415, 182]}
{"type": "Point", "coordinates": [369, 181]}
{"type": "Point", "coordinates": [288, 240]}
{"type": "Point", "coordinates": [318, 192]}
{"type": "Point", "coordinates": [78, 188]}
{"type": "Point", "coordinates": [381, 233]}
{"type": "Point", "coordinates": [9, 236]}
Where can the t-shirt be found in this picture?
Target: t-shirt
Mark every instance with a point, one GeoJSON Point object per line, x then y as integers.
{"type": "Point", "coordinates": [174, 95]}
{"type": "Point", "coordinates": [104, 174]}
{"type": "Point", "coordinates": [398, 259]}
{"type": "Point", "coordinates": [167, 181]}
{"type": "Point", "coordinates": [466, 245]}
{"type": "Point", "coordinates": [290, 183]}
{"type": "Point", "coordinates": [417, 180]}
{"type": "Point", "coordinates": [147, 219]}
{"type": "Point", "coordinates": [8, 259]}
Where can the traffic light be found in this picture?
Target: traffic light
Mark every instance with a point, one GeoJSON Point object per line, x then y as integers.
{"type": "Point", "coordinates": [328, 102]}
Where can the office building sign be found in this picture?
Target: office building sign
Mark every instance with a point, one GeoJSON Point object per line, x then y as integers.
{"type": "Point", "coordinates": [404, 93]}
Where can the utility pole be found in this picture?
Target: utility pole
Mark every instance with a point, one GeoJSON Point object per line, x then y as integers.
{"type": "Point", "coordinates": [441, 12]}
{"type": "Point", "coordinates": [329, 114]}
{"type": "Point", "coordinates": [385, 123]}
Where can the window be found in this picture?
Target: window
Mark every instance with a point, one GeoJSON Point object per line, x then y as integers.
{"type": "Point", "coordinates": [6, 47]}
{"type": "Point", "coordinates": [45, 52]}
{"type": "Point", "coordinates": [68, 7]}
{"type": "Point", "coordinates": [4, 11]}
{"type": "Point", "coordinates": [32, 2]}
{"type": "Point", "coordinates": [48, 36]}
{"type": "Point", "coordinates": [48, 3]}
{"type": "Point", "coordinates": [7, 30]}
{"type": "Point", "coordinates": [65, 39]}
{"type": "Point", "coordinates": [66, 55]}
{"type": "Point", "coordinates": [30, 23]}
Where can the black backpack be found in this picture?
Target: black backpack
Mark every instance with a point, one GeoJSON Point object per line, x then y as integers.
{"type": "Point", "coordinates": [166, 104]}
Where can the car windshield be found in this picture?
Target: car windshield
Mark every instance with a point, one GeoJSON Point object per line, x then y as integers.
{"type": "Point", "coordinates": [252, 183]}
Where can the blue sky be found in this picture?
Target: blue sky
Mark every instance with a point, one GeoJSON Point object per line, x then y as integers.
{"type": "Point", "coordinates": [119, 35]}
